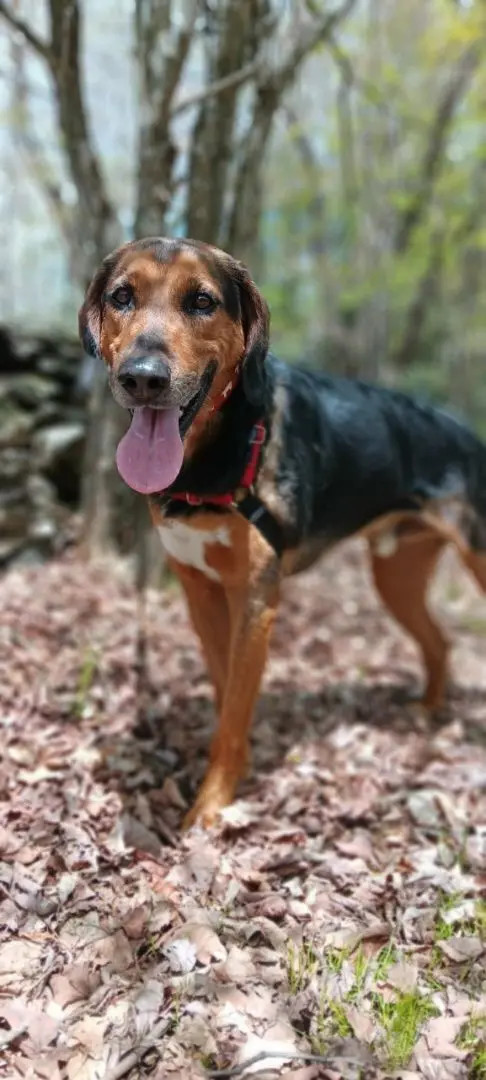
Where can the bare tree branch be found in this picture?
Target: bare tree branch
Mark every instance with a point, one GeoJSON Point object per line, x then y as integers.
{"type": "Point", "coordinates": [436, 145]}
{"type": "Point", "coordinates": [99, 229]}
{"type": "Point", "coordinates": [20, 26]}
{"type": "Point", "coordinates": [246, 206]}
{"type": "Point", "coordinates": [312, 35]}
{"type": "Point", "coordinates": [227, 82]}
{"type": "Point", "coordinates": [133, 1057]}
{"type": "Point", "coordinates": [289, 1055]}
{"type": "Point", "coordinates": [93, 228]}
{"type": "Point", "coordinates": [33, 149]}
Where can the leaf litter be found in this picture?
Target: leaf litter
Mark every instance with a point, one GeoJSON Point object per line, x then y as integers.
{"type": "Point", "coordinates": [336, 911]}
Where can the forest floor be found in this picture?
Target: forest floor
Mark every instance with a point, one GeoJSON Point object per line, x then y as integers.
{"type": "Point", "coordinates": [338, 909]}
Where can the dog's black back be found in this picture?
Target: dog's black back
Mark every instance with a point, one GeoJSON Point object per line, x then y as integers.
{"type": "Point", "coordinates": [352, 452]}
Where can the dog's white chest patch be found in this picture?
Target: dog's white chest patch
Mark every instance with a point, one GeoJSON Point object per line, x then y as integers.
{"type": "Point", "coordinates": [188, 544]}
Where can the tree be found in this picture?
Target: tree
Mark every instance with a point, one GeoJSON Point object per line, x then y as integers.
{"type": "Point", "coordinates": [393, 194]}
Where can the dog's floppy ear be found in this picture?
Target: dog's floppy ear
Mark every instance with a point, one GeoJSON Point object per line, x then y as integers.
{"type": "Point", "coordinates": [255, 318]}
{"type": "Point", "coordinates": [90, 313]}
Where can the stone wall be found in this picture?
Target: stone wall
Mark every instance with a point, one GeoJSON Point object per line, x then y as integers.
{"type": "Point", "coordinates": [43, 398]}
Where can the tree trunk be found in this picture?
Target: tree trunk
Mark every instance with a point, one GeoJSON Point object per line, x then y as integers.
{"type": "Point", "coordinates": [163, 37]}
{"type": "Point", "coordinates": [231, 45]}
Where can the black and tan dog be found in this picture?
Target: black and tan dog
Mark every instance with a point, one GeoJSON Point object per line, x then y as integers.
{"type": "Point", "coordinates": [254, 469]}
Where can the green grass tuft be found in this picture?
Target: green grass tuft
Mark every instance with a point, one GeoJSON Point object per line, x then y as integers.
{"type": "Point", "coordinates": [386, 957]}
{"type": "Point", "coordinates": [86, 677]}
{"type": "Point", "coordinates": [472, 1037]}
{"type": "Point", "coordinates": [477, 1069]}
{"type": "Point", "coordinates": [301, 964]}
{"type": "Point", "coordinates": [402, 1020]}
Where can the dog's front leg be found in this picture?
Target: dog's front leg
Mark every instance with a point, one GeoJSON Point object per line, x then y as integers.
{"type": "Point", "coordinates": [252, 608]}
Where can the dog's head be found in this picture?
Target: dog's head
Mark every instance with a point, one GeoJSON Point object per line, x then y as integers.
{"type": "Point", "coordinates": [174, 320]}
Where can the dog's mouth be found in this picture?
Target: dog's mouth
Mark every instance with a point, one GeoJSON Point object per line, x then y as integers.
{"type": "Point", "coordinates": [190, 410]}
{"type": "Point", "coordinates": [150, 454]}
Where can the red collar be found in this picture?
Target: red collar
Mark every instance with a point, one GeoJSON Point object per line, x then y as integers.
{"type": "Point", "coordinates": [231, 498]}
{"type": "Point", "coordinates": [257, 439]}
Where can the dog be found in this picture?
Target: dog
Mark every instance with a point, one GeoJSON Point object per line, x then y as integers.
{"type": "Point", "coordinates": [254, 468]}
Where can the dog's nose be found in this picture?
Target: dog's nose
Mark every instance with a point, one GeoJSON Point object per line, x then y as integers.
{"type": "Point", "coordinates": [145, 378]}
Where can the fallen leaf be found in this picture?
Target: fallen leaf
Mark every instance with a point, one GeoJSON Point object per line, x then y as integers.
{"type": "Point", "coordinates": [205, 941]}
{"type": "Point", "coordinates": [18, 957]}
{"type": "Point", "coordinates": [402, 975]}
{"type": "Point", "coordinates": [89, 1032]}
{"type": "Point", "coordinates": [440, 1034]}
{"type": "Point", "coordinates": [278, 1039]}
{"type": "Point", "coordinates": [147, 1004]}
{"type": "Point", "coordinates": [238, 966]}
{"type": "Point", "coordinates": [38, 776]}
{"type": "Point", "coordinates": [136, 835]}
{"type": "Point", "coordinates": [201, 865]}
{"type": "Point", "coordinates": [459, 949]}
{"type": "Point", "coordinates": [424, 809]}
{"type": "Point", "coordinates": [182, 955]}
{"type": "Point", "coordinates": [30, 1017]}
{"type": "Point", "coordinates": [135, 921]}
{"type": "Point", "coordinates": [115, 950]}
{"type": "Point", "coordinates": [193, 1033]}
{"type": "Point", "coordinates": [361, 1023]}
{"type": "Point", "coordinates": [75, 983]}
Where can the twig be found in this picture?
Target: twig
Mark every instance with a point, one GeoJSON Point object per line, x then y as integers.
{"type": "Point", "coordinates": [133, 1057]}
{"type": "Point", "coordinates": [20, 26]}
{"type": "Point", "coordinates": [289, 1055]}
{"type": "Point", "coordinates": [308, 40]}
{"type": "Point", "coordinates": [235, 78]}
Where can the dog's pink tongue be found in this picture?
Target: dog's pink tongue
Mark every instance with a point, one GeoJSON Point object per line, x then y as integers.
{"type": "Point", "coordinates": [149, 457]}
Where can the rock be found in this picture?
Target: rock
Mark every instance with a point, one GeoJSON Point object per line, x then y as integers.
{"type": "Point", "coordinates": [60, 452]}
{"type": "Point", "coordinates": [14, 520]}
{"type": "Point", "coordinates": [43, 417]}
{"type": "Point", "coordinates": [28, 389]}
{"type": "Point", "coordinates": [15, 426]}
{"type": "Point", "coordinates": [52, 443]}
{"type": "Point", "coordinates": [14, 463]}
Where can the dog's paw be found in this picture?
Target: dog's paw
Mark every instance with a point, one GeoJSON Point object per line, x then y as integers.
{"type": "Point", "coordinates": [216, 793]}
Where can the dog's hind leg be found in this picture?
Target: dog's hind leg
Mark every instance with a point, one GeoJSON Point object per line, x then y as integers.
{"type": "Point", "coordinates": [401, 579]}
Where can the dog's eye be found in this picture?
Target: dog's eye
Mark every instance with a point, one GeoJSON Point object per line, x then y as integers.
{"type": "Point", "coordinates": [203, 301]}
{"type": "Point", "coordinates": [122, 296]}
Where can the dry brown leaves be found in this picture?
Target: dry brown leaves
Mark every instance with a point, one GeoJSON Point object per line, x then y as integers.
{"type": "Point", "coordinates": [130, 950]}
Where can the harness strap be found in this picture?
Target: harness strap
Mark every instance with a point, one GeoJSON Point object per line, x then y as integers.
{"type": "Point", "coordinates": [252, 508]}
{"type": "Point", "coordinates": [243, 499]}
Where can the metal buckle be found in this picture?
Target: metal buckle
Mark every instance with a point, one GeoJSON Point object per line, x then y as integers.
{"type": "Point", "coordinates": [227, 390]}
{"type": "Point", "coordinates": [193, 500]}
{"type": "Point", "coordinates": [258, 435]}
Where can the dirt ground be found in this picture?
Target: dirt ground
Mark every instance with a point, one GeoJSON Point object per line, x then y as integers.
{"type": "Point", "coordinates": [335, 919]}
